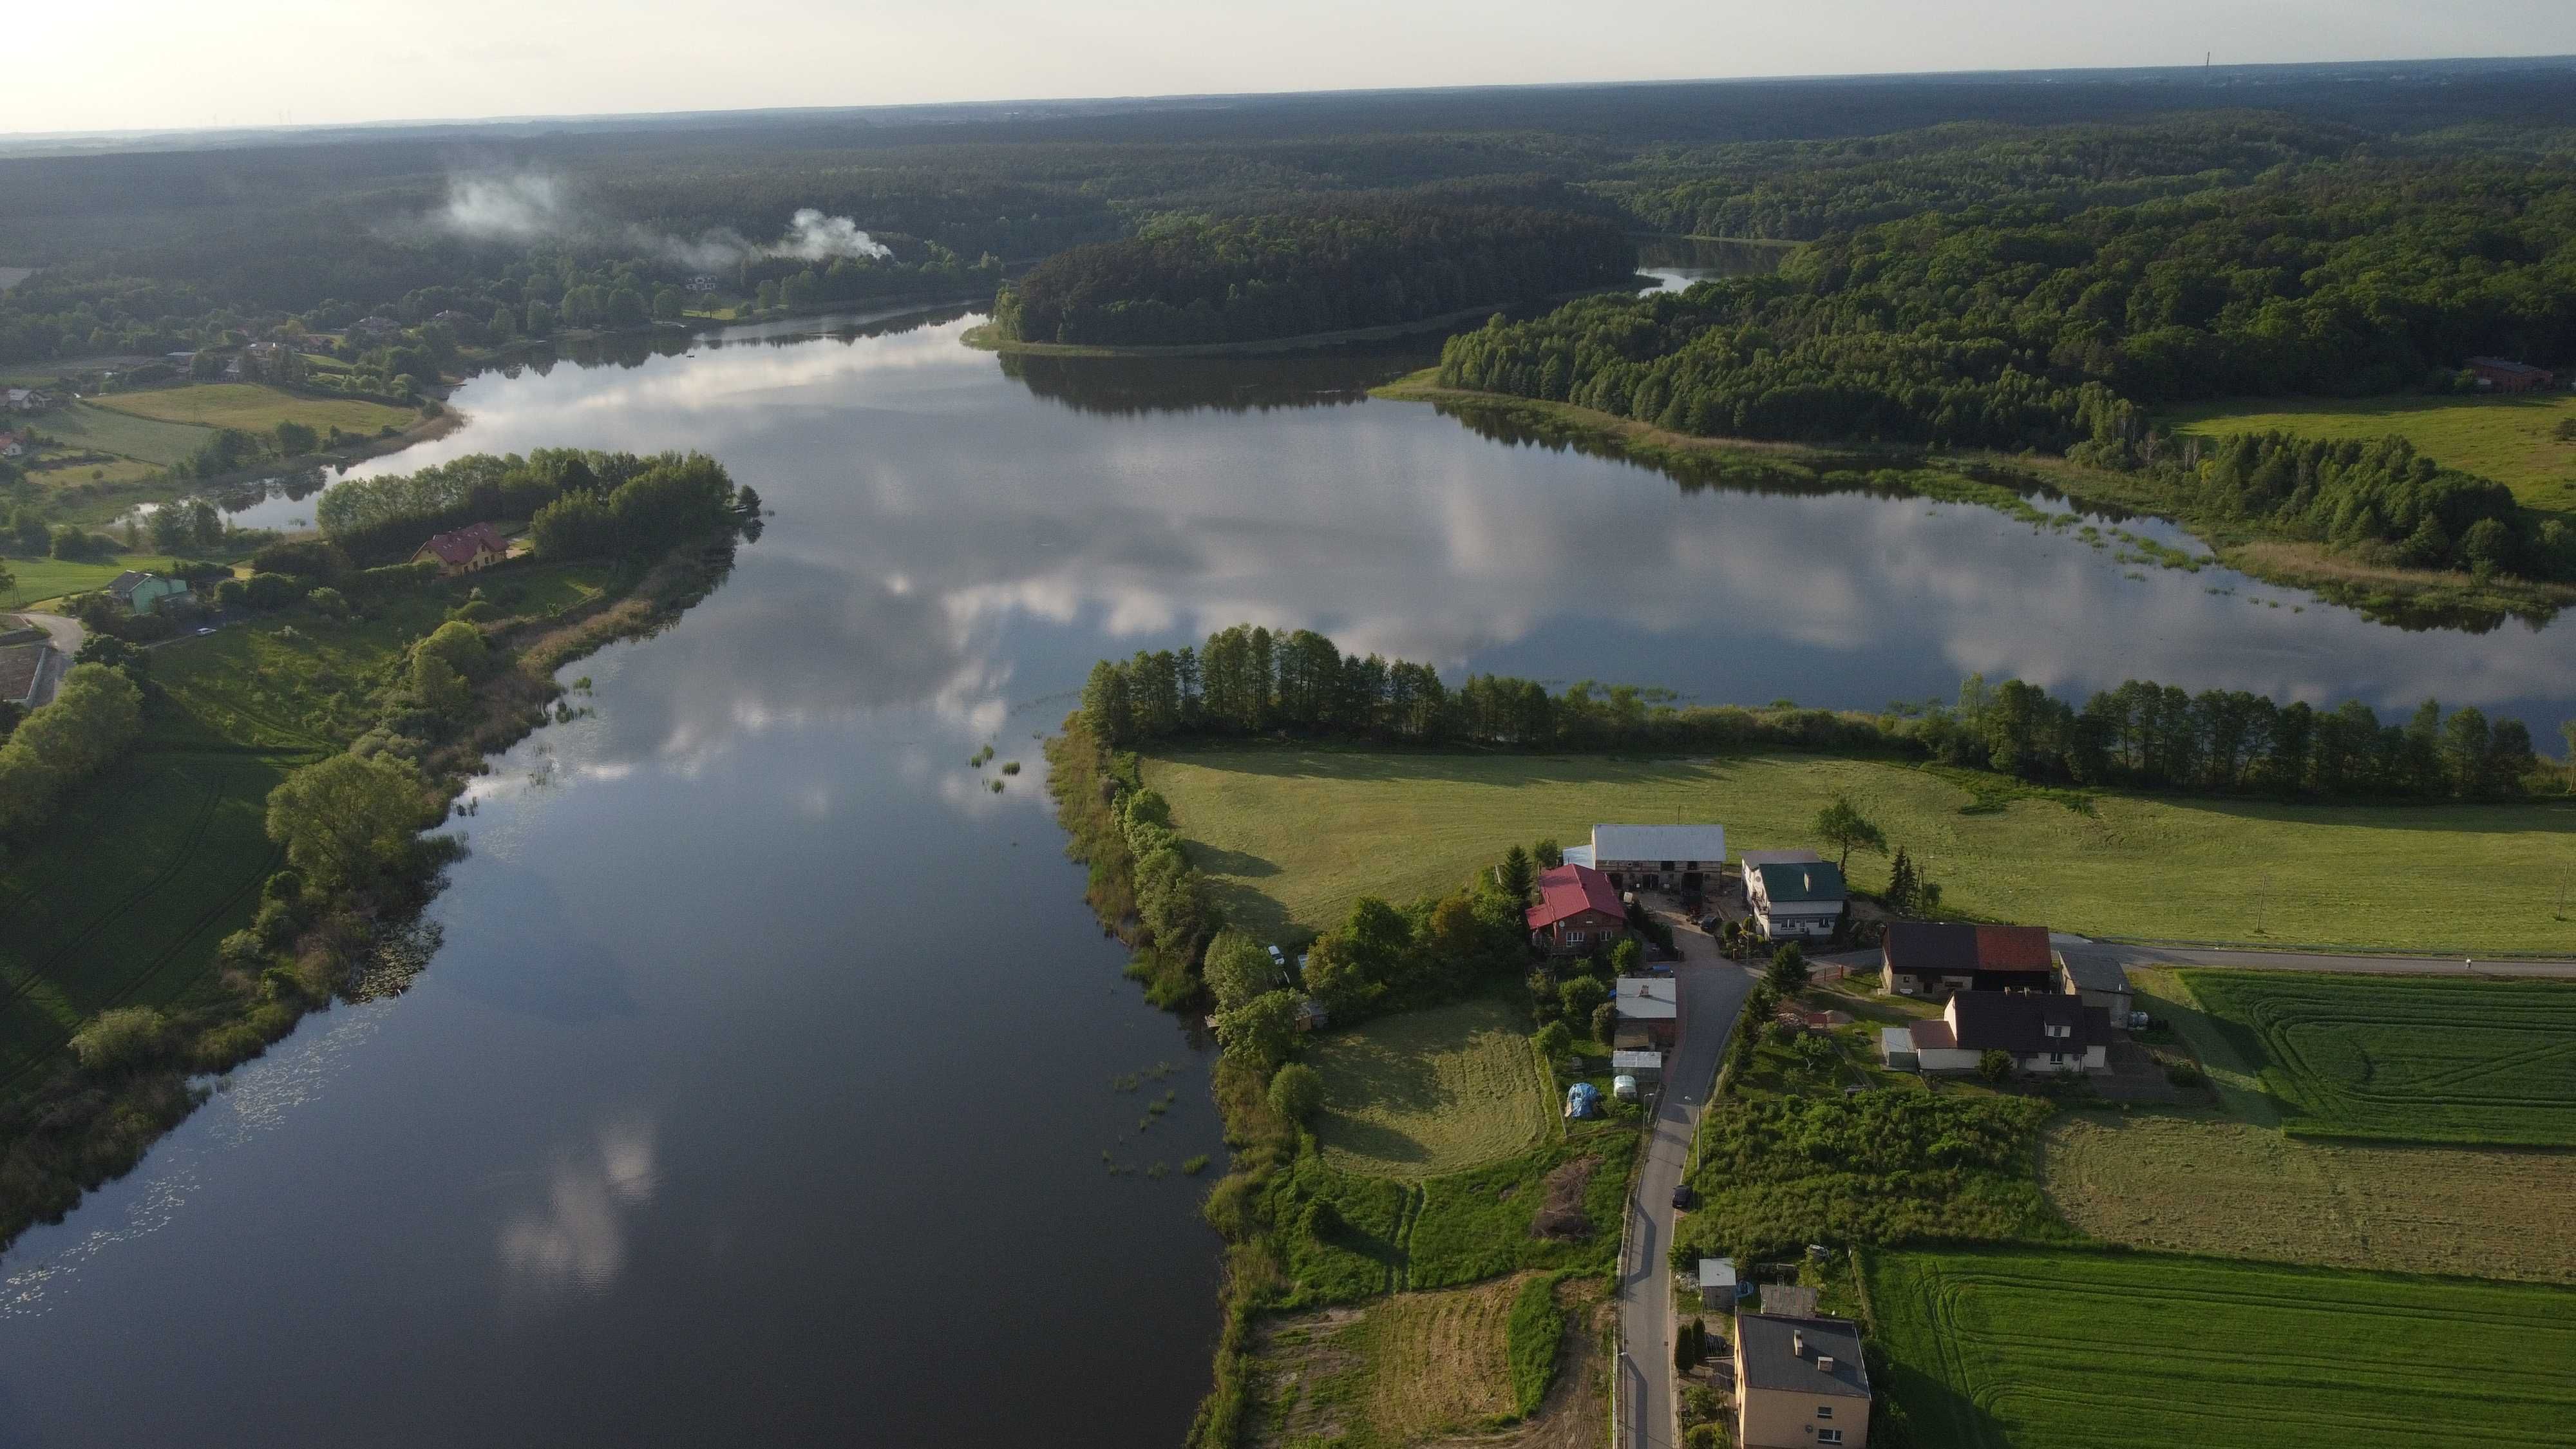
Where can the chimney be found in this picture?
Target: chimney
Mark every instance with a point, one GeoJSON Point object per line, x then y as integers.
{"type": "Point", "coordinates": [1824, 1363]}
{"type": "Point", "coordinates": [1797, 1343]}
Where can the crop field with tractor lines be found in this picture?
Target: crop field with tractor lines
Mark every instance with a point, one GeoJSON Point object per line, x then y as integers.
{"type": "Point", "coordinates": [2078, 1349]}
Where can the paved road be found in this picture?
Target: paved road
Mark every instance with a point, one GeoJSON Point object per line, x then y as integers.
{"type": "Point", "coordinates": [1712, 994]}
{"type": "Point", "coordinates": [66, 636]}
{"type": "Point", "coordinates": [2128, 955]}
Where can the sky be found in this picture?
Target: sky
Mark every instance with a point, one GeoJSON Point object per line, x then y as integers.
{"type": "Point", "coordinates": [168, 64]}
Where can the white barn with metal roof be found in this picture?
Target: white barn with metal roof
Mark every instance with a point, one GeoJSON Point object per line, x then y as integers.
{"type": "Point", "coordinates": [1659, 857]}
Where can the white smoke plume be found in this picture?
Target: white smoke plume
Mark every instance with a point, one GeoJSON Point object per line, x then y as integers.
{"type": "Point", "coordinates": [530, 207]}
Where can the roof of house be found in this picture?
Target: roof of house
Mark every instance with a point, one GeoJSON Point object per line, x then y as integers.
{"type": "Point", "coordinates": [460, 545]}
{"type": "Point", "coordinates": [2507, 364]}
{"type": "Point", "coordinates": [1659, 842]}
{"type": "Point", "coordinates": [1717, 1272]}
{"type": "Point", "coordinates": [1930, 1034]}
{"type": "Point", "coordinates": [1784, 1353]}
{"type": "Point", "coordinates": [2019, 1022]}
{"type": "Point", "coordinates": [2094, 971]}
{"type": "Point", "coordinates": [1939, 948]}
{"type": "Point", "coordinates": [1578, 855]}
{"type": "Point", "coordinates": [19, 666]}
{"type": "Point", "coordinates": [124, 584]}
{"type": "Point", "coordinates": [1894, 1039]}
{"type": "Point", "coordinates": [1649, 998]}
{"type": "Point", "coordinates": [1754, 858]}
{"type": "Point", "coordinates": [1791, 882]}
{"type": "Point", "coordinates": [1570, 890]}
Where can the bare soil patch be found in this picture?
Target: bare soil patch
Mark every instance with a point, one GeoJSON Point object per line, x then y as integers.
{"type": "Point", "coordinates": [1561, 1216]}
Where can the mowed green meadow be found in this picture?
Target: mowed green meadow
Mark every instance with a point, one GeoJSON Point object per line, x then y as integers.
{"type": "Point", "coordinates": [34, 579]}
{"type": "Point", "coordinates": [1291, 835]}
{"type": "Point", "coordinates": [1431, 1092]}
{"type": "Point", "coordinates": [2105, 1350]}
{"type": "Point", "coordinates": [255, 407]}
{"type": "Point", "coordinates": [2512, 439]}
{"type": "Point", "coordinates": [2407, 1059]}
{"type": "Point", "coordinates": [99, 430]}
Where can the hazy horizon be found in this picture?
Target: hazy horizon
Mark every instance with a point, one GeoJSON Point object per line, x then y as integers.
{"type": "Point", "coordinates": [160, 65]}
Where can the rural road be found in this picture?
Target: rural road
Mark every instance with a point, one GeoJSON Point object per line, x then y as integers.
{"type": "Point", "coordinates": [2131, 955]}
{"type": "Point", "coordinates": [1712, 991]}
{"type": "Point", "coordinates": [66, 636]}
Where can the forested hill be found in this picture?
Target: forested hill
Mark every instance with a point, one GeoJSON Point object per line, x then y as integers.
{"type": "Point", "coordinates": [1325, 267]}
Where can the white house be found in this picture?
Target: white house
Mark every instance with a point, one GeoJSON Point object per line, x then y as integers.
{"type": "Point", "coordinates": [1794, 894]}
{"type": "Point", "coordinates": [2043, 1033]}
{"type": "Point", "coordinates": [1658, 857]}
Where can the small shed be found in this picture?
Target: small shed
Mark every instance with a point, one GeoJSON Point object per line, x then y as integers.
{"type": "Point", "coordinates": [1717, 1287]}
{"type": "Point", "coordinates": [1646, 1067]}
{"type": "Point", "coordinates": [1311, 1014]}
{"type": "Point", "coordinates": [1896, 1048]}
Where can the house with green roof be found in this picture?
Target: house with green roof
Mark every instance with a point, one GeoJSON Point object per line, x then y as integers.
{"type": "Point", "coordinates": [1795, 895]}
{"type": "Point", "coordinates": [141, 593]}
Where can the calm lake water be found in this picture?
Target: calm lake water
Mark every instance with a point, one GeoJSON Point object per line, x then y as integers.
{"type": "Point", "coordinates": [761, 1087]}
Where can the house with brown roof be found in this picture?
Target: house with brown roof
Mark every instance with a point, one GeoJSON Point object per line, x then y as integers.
{"type": "Point", "coordinates": [1577, 912]}
{"type": "Point", "coordinates": [1799, 1382]}
{"type": "Point", "coordinates": [2501, 374]}
{"type": "Point", "coordinates": [463, 550]}
{"type": "Point", "coordinates": [2040, 1033]}
{"type": "Point", "coordinates": [1936, 958]}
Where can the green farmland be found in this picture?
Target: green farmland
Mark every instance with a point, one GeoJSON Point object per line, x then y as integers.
{"type": "Point", "coordinates": [2413, 1059]}
{"type": "Point", "coordinates": [2511, 439]}
{"type": "Point", "coordinates": [256, 408]}
{"type": "Point", "coordinates": [2090, 1350]}
{"type": "Point", "coordinates": [1431, 1092]}
{"type": "Point", "coordinates": [1290, 835]}
{"type": "Point", "coordinates": [146, 440]}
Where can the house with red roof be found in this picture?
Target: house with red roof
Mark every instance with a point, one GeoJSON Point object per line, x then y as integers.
{"type": "Point", "coordinates": [1578, 912]}
{"type": "Point", "coordinates": [463, 550]}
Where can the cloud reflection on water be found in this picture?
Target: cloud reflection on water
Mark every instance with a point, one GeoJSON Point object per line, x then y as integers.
{"type": "Point", "coordinates": [577, 1239]}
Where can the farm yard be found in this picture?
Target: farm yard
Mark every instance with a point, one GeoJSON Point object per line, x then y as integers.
{"type": "Point", "coordinates": [2408, 1059]}
{"type": "Point", "coordinates": [2512, 439]}
{"type": "Point", "coordinates": [2090, 1350]}
{"type": "Point", "coordinates": [1426, 1093]}
{"type": "Point", "coordinates": [256, 408]}
{"type": "Point", "coordinates": [1289, 836]}
{"type": "Point", "coordinates": [2199, 1182]}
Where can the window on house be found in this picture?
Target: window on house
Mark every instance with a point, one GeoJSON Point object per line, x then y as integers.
{"type": "Point", "coordinates": [2057, 1059]}
{"type": "Point", "coordinates": [1824, 1411]}
{"type": "Point", "coordinates": [1829, 1436]}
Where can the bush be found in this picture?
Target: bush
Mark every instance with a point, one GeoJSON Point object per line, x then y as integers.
{"type": "Point", "coordinates": [272, 591]}
{"type": "Point", "coordinates": [1995, 1065]}
{"type": "Point", "coordinates": [1297, 1092]}
{"type": "Point", "coordinates": [127, 1036]}
{"type": "Point", "coordinates": [1554, 1041]}
{"type": "Point", "coordinates": [329, 602]}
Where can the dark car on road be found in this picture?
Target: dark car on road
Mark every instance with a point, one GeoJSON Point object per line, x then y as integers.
{"type": "Point", "coordinates": [1683, 1197]}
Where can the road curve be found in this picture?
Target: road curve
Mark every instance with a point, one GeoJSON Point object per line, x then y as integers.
{"type": "Point", "coordinates": [66, 636]}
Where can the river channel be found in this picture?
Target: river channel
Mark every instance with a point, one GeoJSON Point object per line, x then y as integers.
{"type": "Point", "coordinates": [770, 1083]}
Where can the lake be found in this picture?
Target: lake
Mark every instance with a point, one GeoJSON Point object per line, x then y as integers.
{"type": "Point", "coordinates": [770, 1082]}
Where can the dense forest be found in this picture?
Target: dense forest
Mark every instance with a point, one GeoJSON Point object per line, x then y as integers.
{"type": "Point", "coordinates": [1356, 262]}
{"type": "Point", "coordinates": [1246, 681]}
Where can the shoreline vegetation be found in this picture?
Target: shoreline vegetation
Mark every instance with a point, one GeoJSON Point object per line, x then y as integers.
{"type": "Point", "coordinates": [326, 734]}
{"type": "Point", "coordinates": [2383, 591]}
{"type": "Point", "coordinates": [990, 337]}
{"type": "Point", "coordinates": [1349, 1182]}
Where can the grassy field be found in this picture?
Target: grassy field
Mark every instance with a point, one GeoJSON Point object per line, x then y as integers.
{"type": "Point", "coordinates": [1431, 1092]}
{"type": "Point", "coordinates": [2202, 1182]}
{"type": "Point", "coordinates": [1416, 1367]}
{"type": "Point", "coordinates": [2510, 439]}
{"type": "Point", "coordinates": [2092, 1350]}
{"type": "Point", "coordinates": [147, 440]}
{"type": "Point", "coordinates": [114, 473]}
{"type": "Point", "coordinates": [46, 578]}
{"type": "Point", "coordinates": [123, 899]}
{"type": "Point", "coordinates": [1290, 835]}
{"type": "Point", "coordinates": [256, 408]}
{"type": "Point", "coordinates": [2410, 1059]}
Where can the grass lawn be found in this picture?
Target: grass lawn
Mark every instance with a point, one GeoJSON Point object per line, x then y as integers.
{"type": "Point", "coordinates": [1290, 835]}
{"type": "Point", "coordinates": [2412, 1059]}
{"type": "Point", "coordinates": [146, 440]}
{"type": "Point", "coordinates": [2203, 1182]}
{"type": "Point", "coordinates": [2091, 1350]}
{"type": "Point", "coordinates": [1411, 1367]}
{"type": "Point", "coordinates": [48, 578]}
{"type": "Point", "coordinates": [1431, 1092]}
{"type": "Point", "coordinates": [114, 473]}
{"type": "Point", "coordinates": [2510, 439]}
{"type": "Point", "coordinates": [256, 408]}
{"type": "Point", "coordinates": [122, 899]}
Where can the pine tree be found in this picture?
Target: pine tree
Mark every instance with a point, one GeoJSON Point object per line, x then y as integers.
{"type": "Point", "coordinates": [1903, 884]}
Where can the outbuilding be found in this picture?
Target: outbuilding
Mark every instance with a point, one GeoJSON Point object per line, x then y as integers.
{"type": "Point", "coordinates": [1649, 1013]}
{"type": "Point", "coordinates": [1659, 857]}
{"type": "Point", "coordinates": [1934, 958]}
{"type": "Point", "coordinates": [1717, 1286]}
{"type": "Point", "coordinates": [1646, 1067]}
{"type": "Point", "coordinates": [1896, 1048]}
{"type": "Point", "coordinates": [2094, 977]}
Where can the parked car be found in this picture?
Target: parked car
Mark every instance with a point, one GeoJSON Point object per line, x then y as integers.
{"type": "Point", "coordinates": [2140, 1021]}
{"type": "Point", "coordinates": [1683, 1197]}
